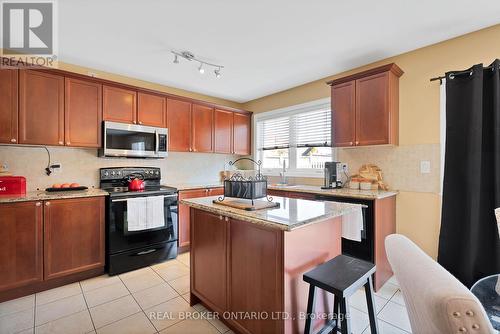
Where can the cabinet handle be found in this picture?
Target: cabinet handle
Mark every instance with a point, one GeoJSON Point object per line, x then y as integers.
{"type": "Point", "coordinates": [47, 203]}
{"type": "Point", "coordinates": [357, 142]}
{"type": "Point", "coordinates": [38, 204]}
{"type": "Point", "coordinates": [220, 217]}
{"type": "Point", "coordinates": [13, 140]}
{"type": "Point", "coordinates": [227, 219]}
{"type": "Point", "coordinates": [61, 143]}
{"type": "Point", "coordinates": [68, 143]}
{"type": "Point", "coordinates": [140, 122]}
{"type": "Point", "coordinates": [351, 143]}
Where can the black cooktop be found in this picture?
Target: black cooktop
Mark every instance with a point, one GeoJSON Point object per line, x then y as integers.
{"type": "Point", "coordinates": [149, 190]}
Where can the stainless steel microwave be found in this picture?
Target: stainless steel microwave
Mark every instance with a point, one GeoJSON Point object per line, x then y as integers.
{"type": "Point", "coordinates": [134, 141]}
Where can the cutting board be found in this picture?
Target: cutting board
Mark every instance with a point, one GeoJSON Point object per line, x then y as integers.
{"type": "Point", "coordinates": [245, 204]}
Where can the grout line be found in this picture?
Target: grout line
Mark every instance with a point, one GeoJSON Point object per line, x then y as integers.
{"type": "Point", "coordinates": [88, 309]}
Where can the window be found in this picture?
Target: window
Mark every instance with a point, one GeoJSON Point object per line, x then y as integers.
{"type": "Point", "coordinates": [299, 137]}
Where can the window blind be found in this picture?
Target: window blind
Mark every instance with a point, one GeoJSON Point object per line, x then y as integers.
{"type": "Point", "coordinates": [305, 129]}
{"type": "Point", "coordinates": [313, 128]}
{"type": "Point", "coordinates": [274, 133]}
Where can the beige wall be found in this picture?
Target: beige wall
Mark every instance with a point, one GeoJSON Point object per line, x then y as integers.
{"type": "Point", "coordinates": [418, 204]}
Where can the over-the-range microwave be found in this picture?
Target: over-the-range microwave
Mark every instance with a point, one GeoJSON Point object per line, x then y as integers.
{"type": "Point", "coordinates": [133, 141]}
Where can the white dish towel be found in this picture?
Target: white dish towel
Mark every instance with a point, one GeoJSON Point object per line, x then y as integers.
{"type": "Point", "coordinates": [144, 213]}
{"type": "Point", "coordinates": [352, 225]}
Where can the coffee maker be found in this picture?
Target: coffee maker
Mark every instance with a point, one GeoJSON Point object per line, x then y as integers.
{"type": "Point", "coordinates": [333, 173]}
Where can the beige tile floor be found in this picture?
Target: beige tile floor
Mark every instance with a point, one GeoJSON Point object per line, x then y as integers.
{"type": "Point", "coordinates": [126, 303]}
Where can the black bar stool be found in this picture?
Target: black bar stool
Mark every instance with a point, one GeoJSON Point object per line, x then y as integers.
{"type": "Point", "coordinates": [342, 276]}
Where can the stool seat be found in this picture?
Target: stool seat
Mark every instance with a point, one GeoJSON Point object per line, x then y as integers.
{"type": "Point", "coordinates": [342, 275]}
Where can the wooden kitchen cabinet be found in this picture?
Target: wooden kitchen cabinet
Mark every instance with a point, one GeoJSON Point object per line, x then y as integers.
{"type": "Point", "coordinates": [179, 125]}
{"type": "Point", "coordinates": [119, 104]}
{"type": "Point", "coordinates": [152, 110]}
{"type": "Point", "coordinates": [184, 212]}
{"type": "Point", "coordinates": [365, 107]}
{"type": "Point", "coordinates": [242, 134]}
{"type": "Point", "coordinates": [41, 108]}
{"type": "Point", "coordinates": [21, 246]}
{"type": "Point", "coordinates": [209, 239]}
{"type": "Point", "coordinates": [223, 131]}
{"type": "Point", "coordinates": [343, 113]}
{"type": "Point", "coordinates": [202, 118]}
{"type": "Point", "coordinates": [83, 113]}
{"type": "Point", "coordinates": [8, 106]}
{"type": "Point", "coordinates": [73, 236]}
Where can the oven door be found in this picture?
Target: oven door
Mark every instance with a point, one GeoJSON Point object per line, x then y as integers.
{"type": "Point", "coordinates": [121, 239]}
{"type": "Point", "coordinates": [128, 140]}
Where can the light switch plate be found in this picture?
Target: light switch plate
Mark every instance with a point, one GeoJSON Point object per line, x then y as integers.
{"type": "Point", "coordinates": [425, 167]}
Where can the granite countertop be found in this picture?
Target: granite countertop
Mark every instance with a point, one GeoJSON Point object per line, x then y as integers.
{"type": "Point", "coordinates": [292, 213]}
{"type": "Point", "coordinates": [44, 195]}
{"type": "Point", "coordinates": [341, 192]}
{"type": "Point", "coordinates": [192, 186]}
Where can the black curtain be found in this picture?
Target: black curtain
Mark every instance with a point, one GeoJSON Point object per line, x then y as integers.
{"type": "Point", "coordinates": [469, 245]}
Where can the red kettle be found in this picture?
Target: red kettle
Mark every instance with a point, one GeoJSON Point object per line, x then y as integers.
{"type": "Point", "coordinates": [135, 183]}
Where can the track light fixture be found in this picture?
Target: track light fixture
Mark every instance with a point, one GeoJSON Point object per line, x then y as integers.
{"type": "Point", "coordinates": [189, 56]}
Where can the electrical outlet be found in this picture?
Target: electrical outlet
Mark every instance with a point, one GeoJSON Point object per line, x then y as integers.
{"type": "Point", "coordinates": [425, 167]}
{"type": "Point", "coordinates": [56, 167]}
{"type": "Point", "coordinates": [345, 168]}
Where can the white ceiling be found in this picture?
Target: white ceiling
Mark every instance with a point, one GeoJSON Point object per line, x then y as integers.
{"type": "Point", "coordinates": [266, 46]}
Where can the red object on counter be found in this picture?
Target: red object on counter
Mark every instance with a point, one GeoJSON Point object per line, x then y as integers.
{"type": "Point", "coordinates": [12, 185]}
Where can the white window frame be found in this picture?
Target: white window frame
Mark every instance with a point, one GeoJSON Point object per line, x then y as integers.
{"type": "Point", "coordinates": [287, 111]}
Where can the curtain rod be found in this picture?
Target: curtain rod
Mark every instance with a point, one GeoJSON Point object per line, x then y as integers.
{"type": "Point", "coordinates": [492, 67]}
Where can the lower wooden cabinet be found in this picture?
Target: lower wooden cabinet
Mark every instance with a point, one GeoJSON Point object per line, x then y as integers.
{"type": "Point", "coordinates": [184, 213]}
{"type": "Point", "coordinates": [21, 246]}
{"type": "Point", "coordinates": [73, 236]}
{"type": "Point", "coordinates": [45, 242]}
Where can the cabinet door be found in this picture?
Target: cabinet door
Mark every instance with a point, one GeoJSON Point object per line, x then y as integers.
{"type": "Point", "coordinates": [209, 257]}
{"type": "Point", "coordinates": [119, 105]}
{"type": "Point", "coordinates": [152, 110]}
{"type": "Point", "coordinates": [241, 134]}
{"type": "Point", "coordinates": [372, 110]}
{"type": "Point", "coordinates": [216, 191]}
{"type": "Point", "coordinates": [41, 108]}
{"type": "Point", "coordinates": [21, 246]}
{"type": "Point", "coordinates": [184, 214]}
{"type": "Point", "coordinates": [179, 125]}
{"type": "Point", "coordinates": [344, 114]}
{"type": "Point", "coordinates": [223, 131]}
{"type": "Point", "coordinates": [203, 125]}
{"type": "Point", "coordinates": [73, 236]}
{"type": "Point", "coordinates": [8, 106]}
{"type": "Point", "coordinates": [256, 274]}
{"type": "Point", "coordinates": [83, 113]}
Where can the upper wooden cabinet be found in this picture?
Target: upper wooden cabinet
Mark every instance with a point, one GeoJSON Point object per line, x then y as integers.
{"type": "Point", "coordinates": [365, 107]}
{"type": "Point", "coordinates": [83, 113]}
{"type": "Point", "coordinates": [8, 106]}
{"type": "Point", "coordinates": [73, 236]}
{"type": "Point", "coordinates": [202, 128]}
{"type": "Point", "coordinates": [179, 125]}
{"type": "Point", "coordinates": [223, 131]}
{"type": "Point", "coordinates": [119, 104]}
{"type": "Point", "coordinates": [21, 246]}
{"type": "Point", "coordinates": [41, 108]}
{"type": "Point", "coordinates": [242, 134]}
{"type": "Point", "coordinates": [152, 110]}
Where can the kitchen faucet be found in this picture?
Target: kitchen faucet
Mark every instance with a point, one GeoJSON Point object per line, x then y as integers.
{"type": "Point", "coordinates": [282, 173]}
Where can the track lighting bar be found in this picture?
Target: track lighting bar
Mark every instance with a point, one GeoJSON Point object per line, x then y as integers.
{"type": "Point", "coordinates": [190, 57]}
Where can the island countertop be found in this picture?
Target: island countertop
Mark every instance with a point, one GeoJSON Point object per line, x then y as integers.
{"type": "Point", "coordinates": [292, 213]}
{"type": "Point", "coordinates": [340, 192]}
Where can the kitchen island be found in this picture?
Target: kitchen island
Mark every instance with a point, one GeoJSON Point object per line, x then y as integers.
{"type": "Point", "coordinates": [247, 265]}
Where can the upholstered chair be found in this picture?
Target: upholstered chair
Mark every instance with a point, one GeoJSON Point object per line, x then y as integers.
{"type": "Point", "coordinates": [436, 301]}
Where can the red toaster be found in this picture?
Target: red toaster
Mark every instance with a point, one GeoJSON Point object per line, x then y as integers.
{"type": "Point", "coordinates": [12, 185]}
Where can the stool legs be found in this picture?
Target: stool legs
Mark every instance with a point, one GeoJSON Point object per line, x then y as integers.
{"type": "Point", "coordinates": [346, 320]}
{"type": "Point", "coordinates": [310, 309]}
{"type": "Point", "coordinates": [371, 307]}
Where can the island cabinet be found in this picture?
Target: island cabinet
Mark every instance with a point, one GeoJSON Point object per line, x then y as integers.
{"type": "Point", "coordinates": [83, 113]}
{"type": "Point", "coordinates": [41, 108]}
{"type": "Point", "coordinates": [49, 243]}
{"type": "Point", "coordinates": [365, 107]}
{"type": "Point", "coordinates": [240, 268]}
{"type": "Point", "coordinates": [8, 106]}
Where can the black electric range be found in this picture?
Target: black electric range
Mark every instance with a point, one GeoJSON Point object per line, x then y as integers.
{"type": "Point", "coordinates": [129, 248]}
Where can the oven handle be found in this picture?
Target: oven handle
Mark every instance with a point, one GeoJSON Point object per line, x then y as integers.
{"type": "Point", "coordinates": [146, 252]}
{"type": "Point", "coordinates": [126, 199]}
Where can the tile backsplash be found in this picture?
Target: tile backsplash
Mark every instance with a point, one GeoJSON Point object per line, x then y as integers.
{"type": "Point", "coordinates": [82, 165]}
